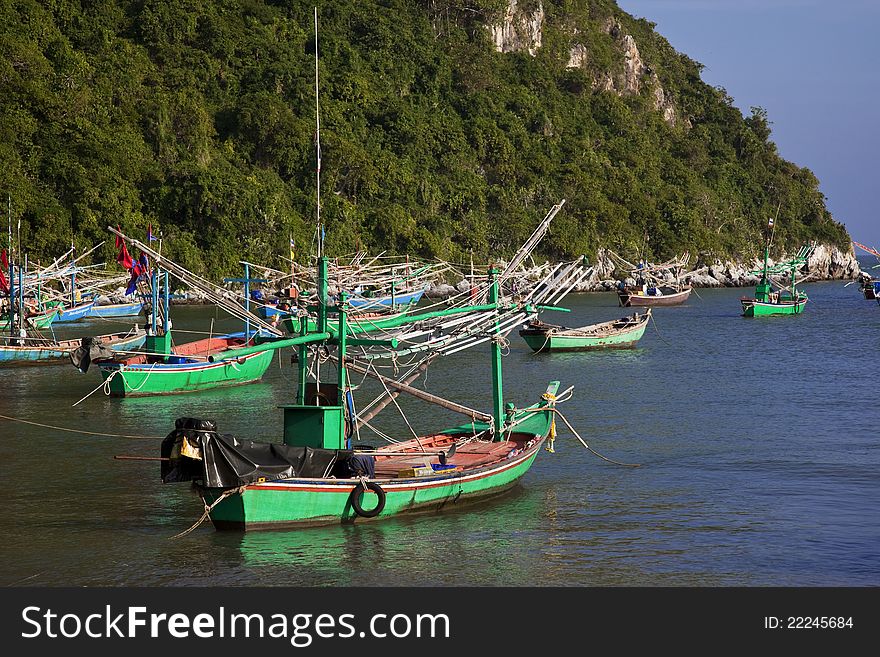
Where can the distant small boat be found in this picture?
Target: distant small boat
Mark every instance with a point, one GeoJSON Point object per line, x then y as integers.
{"type": "Point", "coordinates": [116, 310]}
{"type": "Point", "coordinates": [663, 295]}
{"type": "Point", "coordinates": [787, 301]}
{"type": "Point", "coordinates": [617, 334]}
{"type": "Point", "coordinates": [358, 302]}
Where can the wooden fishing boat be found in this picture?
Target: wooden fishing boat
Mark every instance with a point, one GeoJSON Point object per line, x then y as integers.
{"type": "Point", "coordinates": [661, 295]}
{"type": "Point", "coordinates": [116, 309]}
{"type": "Point", "coordinates": [867, 284]}
{"type": "Point", "coordinates": [185, 369]}
{"type": "Point", "coordinates": [393, 300]}
{"type": "Point", "coordinates": [616, 334]}
{"type": "Point", "coordinates": [786, 301]}
{"type": "Point", "coordinates": [432, 473]}
{"type": "Point", "coordinates": [73, 313]}
{"type": "Point", "coordinates": [314, 477]}
{"type": "Point", "coordinates": [780, 303]}
{"type": "Point", "coordinates": [39, 320]}
{"type": "Point", "coordinates": [663, 284]}
{"type": "Point", "coordinates": [33, 351]}
{"type": "Point", "coordinates": [190, 367]}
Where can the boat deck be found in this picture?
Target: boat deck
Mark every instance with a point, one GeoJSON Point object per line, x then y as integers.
{"type": "Point", "coordinates": [470, 455]}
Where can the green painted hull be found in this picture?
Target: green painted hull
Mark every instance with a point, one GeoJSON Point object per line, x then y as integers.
{"type": "Point", "coordinates": [168, 379]}
{"type": "Point", "coordinates": [753, 308]}
{"type": "Point", "coordinates": [37, 321]}
{"type": "Point", "coordinates": [616, 334]}
{"type": "Point", "coordinates": [540, 342]}
{"type": "Point", "coordinates": [303, 502]}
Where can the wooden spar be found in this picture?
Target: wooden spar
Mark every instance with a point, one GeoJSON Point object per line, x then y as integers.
{"type": "Point", "coordinates": [123, 457]}
{"type": "Point", "coordinates": [530, 243]}
{"type": "Point", "coordinates": [362, 420]}
{"type": "Point", "coordinates": [419, 394]}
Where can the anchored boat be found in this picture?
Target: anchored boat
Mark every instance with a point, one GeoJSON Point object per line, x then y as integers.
{"type": "Point", "coordinates": [317, 476]}
{"type": "Point", "coordinates": [37, 350]}
{"type": "Point", "coordinates": [656, 285]}
{"type": "Point", "coordinates": [787, 300]}
{"type": "Point", "coordinates": [654, 295]}
{"type": "Point", "coordinates": [617, 334]}
{"type": "Point", "coordinates": [165, 369]}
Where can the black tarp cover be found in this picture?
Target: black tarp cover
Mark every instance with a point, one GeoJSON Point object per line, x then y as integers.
{"type": "Point", "coordinates": [90, 349]}
{"type": "Point", "coordinates": [227, 462]}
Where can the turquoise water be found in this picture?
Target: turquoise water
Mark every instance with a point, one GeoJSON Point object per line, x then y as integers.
{"type": "Point", "coordinates": [757, 439]}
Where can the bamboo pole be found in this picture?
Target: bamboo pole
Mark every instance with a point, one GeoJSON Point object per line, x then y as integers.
{"type": "Point", "coordinates": [419, 394]}
{"type": "Point", "coordinates": [362, 420]}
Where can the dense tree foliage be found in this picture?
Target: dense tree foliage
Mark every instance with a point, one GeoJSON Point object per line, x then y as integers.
{"type": "Point", "coordinates": [198, 117]}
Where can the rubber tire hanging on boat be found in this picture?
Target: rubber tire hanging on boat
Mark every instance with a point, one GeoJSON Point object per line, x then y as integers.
{"type": "Point", "coordinates": [361, 488]}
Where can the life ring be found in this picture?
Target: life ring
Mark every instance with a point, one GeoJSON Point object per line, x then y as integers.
{"type": "Point", "coordinates": [361, 488]}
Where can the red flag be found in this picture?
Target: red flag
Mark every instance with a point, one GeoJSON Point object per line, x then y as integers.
{"type": "Point", "coordinates": [4, 260]}
{"type": "Point", "coordinates": [4, 284]}
{"type": "Point", "coordinates": [123, 258]}
{"type": "Point", "coordinates": [119, 241]}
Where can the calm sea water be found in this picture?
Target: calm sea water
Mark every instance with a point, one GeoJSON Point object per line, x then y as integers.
{"type": "Point", "coordinates": [757, 438]}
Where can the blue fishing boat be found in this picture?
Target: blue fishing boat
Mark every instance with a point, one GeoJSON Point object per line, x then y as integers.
{"type": "Point", "coordinates": [73, 313]}
{"type": "Point", "coordinates": [392, 300]}
{"type": "Point", "coordinates": [36, 351]}
{"type": "Point", "coordinates": [116, 310]}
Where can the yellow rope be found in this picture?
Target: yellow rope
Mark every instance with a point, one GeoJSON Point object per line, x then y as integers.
{"type": "Point", "coordinates": [89, 433]}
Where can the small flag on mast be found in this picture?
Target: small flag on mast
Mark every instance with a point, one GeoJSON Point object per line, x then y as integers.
{"type": "Point", "coordinates": [292, 250]}
{"type": "Point", "coordinates": [150, 236]}
{"type": "Point", "coordinates": [770, 225]}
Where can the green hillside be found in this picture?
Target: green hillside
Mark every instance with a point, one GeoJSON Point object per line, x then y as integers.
{"type": "Point", "coordinates": [198, 117]}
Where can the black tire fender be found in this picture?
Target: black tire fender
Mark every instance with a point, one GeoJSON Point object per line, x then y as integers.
{"type": "Point", "coordinates": [359, 490]}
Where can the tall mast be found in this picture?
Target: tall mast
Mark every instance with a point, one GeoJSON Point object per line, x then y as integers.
{"type": "Point", "coordinates": [320, 228]}
{"type": "Point", "coordinates": [497, 390]}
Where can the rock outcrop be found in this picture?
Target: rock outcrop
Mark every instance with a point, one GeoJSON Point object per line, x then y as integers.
{"type": "Point", "coordinates": [520, 30]}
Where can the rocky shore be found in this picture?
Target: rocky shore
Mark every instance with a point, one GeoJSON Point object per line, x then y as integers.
{"type": "Point", "coordinates": [825, 263]}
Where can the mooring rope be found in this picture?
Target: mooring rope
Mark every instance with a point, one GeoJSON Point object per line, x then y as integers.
{"type": "Point", "coordinates": [89, 433]}
{"type": "Point", "coordinates": [208, 509]}
{"type": "Point", "coordinates": [657, 331]}
{"type": "Point", "coordinates": [104, 384]}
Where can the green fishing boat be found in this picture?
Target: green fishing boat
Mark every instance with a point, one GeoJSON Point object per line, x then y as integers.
{"type": "Point", "coordinates": [163, 369]}
{"type": "Point", "coordinates": [39, 320]}
{"type": "Point", "coordinates": [315, 475]}
{"type": "Point", "coordinates": [786, 301]}
{"type": "Point", "coordinates": [620, 333]}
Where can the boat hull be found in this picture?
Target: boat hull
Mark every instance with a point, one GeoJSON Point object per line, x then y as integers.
{"type": "Point", "coordinates": [629, 299]}
{"type": "Point", "coordinates": [540, 341]}
{"type": "Point", "coordinates": [74, 314]}
{"type": "Point", "coordinates": [116, 310]}
{"type": "Point", "coordinates": [173, 378]}
{"type": "Point", "coordinates": [302, 502]}
{"type": "Point", "coordinates": [755, 308]}
{"type": "Point", "coordinates": [41, 321]}
{"type": "Point", "coordinates": [58, 352]}
{"type": "Point", "coordinates": [398, 300]}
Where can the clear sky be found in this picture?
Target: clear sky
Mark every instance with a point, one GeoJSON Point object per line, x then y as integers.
{"type": "Point", "coordinates": [814, 65]}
